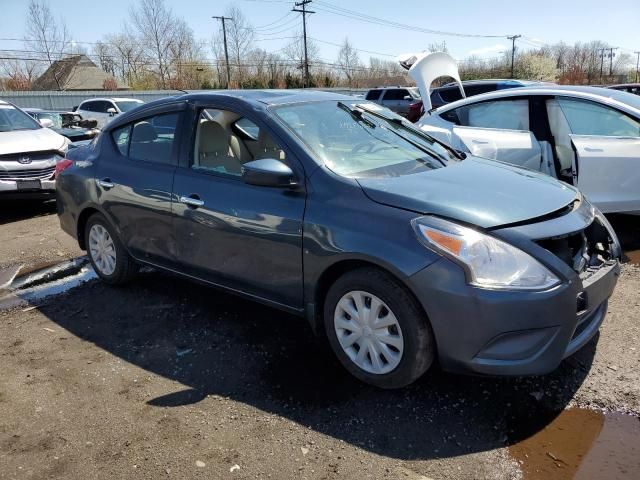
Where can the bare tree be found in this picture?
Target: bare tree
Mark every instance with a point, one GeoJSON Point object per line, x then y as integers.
{"type": "Point", "coordinates": [294, 52]}
{"type": "Point", "coordinates": [156, 27]}
{"type": "Point", "coordinates": [49, 37]}
{"type": "Point", "coordinates": [19, 73]}
{"type": "Point", "coordinates": [349, 62]}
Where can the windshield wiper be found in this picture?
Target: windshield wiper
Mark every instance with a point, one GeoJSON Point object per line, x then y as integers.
{"type": "Point", "coordinates": [400, 122]}
{"type": "Point", "coordinates": [356, 114]}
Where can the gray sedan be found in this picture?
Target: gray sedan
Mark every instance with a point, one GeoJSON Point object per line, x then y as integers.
{"type": "Point", "coordinates": [340, 211]}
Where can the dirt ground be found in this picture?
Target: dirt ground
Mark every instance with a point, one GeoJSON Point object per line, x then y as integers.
{"type": "Point", "coordinates": [167, 379]}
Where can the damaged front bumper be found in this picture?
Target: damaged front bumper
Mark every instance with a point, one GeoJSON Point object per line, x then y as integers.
{"type": "Point", "coordinates": [521, 332]}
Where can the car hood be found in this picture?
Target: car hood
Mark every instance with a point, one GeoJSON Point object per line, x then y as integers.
{"type": "Point", "coordinates": [477, 191]}
{"type": "Point", "coordinates": [39, 140]}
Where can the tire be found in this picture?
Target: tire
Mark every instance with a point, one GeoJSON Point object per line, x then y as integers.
{"type": "Point", "coordinates": [122, 268]}
{"type": "Point", "coordinates": [405, 349]}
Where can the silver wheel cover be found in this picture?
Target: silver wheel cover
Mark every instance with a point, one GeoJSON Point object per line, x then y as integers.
{"type": "Point", "coordinates": [102, 249]}
{"type": "Point", "coordinates": [368, 332]}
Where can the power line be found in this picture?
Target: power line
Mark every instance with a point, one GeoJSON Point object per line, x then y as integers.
{"type": "Point", "coordinates": [359, 49]}
{"type": "Point", "coordinates": [334, 9]}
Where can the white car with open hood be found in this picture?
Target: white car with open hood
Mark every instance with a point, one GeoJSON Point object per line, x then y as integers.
{"type": "Point", "coordinates": [29, 154]}
{"type": "Point", "coordinates": [587, 136]}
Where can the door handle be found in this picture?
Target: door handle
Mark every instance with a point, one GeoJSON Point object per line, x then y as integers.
{"type": "Point", "coordinates": [480, 142]}
{"type": "Point", "coordinates": [593, 149]}
{"type": "Point", "coordinates": [193, 201]}
{"type": "Point", "coordinates": [106, 183]}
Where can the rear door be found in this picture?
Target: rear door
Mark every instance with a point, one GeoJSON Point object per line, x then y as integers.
{"type": "Point", "coordinates": [606, 143]}
{"type": "Point", "coordinates": [499, 130]}
{"type": "Point", "coordinates": [134, 180]}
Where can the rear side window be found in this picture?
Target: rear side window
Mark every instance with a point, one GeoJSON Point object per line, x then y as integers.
{"type": "Point", "coordinates": [373, 95]}
{"type": "Point", "coordinates": [589, 118]}
{"type": "Point", "coordinates": [121, 138]}
{"type": "Point", "coordinates": [502, 114]}
{"type": "Point", "coordinates": [395, 94]}
{"type": "Point", "coordinates": [148, 140]}
{"type": "Point", "coordinates": [450, 94]}
{"type": "Point", "coordinates": [88, 106]}
{"type": "Point", "coordinates": [472, 90]}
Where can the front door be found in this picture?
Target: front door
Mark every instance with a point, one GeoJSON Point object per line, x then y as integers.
{"type": "Point", "coordinates": [134, 180]}
{"type": "Point", "coordinates": [245, 237]}
{"type": "Point", "coordinates": [608, 171]}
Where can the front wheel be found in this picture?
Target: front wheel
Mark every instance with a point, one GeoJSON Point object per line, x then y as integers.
{"type": "Point", "coordinates": [108, 256]}
{"type": "Point", "coordinates": [377, 329]}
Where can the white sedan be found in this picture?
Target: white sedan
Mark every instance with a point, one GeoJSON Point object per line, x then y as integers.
{"type": "Point", "coordinates": [587, 136]}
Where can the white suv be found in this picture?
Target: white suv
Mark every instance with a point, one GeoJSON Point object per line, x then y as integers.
{"type": "Point", "coordinates": [29, 155]}
{"type": "Point", "coordinates": [104, 109]}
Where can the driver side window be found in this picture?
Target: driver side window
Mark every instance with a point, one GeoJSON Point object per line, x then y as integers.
{"type": "Point", "coordinates": [225, 141]}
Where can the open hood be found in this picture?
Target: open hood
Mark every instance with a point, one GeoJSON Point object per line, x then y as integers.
{"type": "Point", "coordinates": [477, 191]}
{"type": "Point", "coordinates": [38, 140]}
{"type": "Point", "coordinates": [424, 68]}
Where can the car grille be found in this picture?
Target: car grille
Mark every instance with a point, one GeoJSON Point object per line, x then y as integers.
{"type": "Point", "coordinates": [33, 156]}
{"type": "Point", "coordinates": [585, 251]}
{"type": "Point", "coordinates": [28, 174]}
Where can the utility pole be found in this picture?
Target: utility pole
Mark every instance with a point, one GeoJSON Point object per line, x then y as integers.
{"type": "Point", "coordinates": [304, 12]}
{"type": "Point", "coordinates": [226, 52]}
{"type": "Point", "coordinates": [611, 55]}
{"type": "Point", "coordinates": [601, 62]}
{"type": "Point", "coordinates": [637, 66]}
{"type": "Point", "coordinates": [513, 50]}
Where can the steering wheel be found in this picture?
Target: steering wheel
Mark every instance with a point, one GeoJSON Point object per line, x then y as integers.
{"type": "Point", "coordinates": [362, 146]}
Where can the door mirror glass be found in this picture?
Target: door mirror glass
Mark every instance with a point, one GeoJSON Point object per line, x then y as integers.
{"type": "Point", "coordinates": [111, 111]}
{"type": "Point", "coordinates": [268, 172]}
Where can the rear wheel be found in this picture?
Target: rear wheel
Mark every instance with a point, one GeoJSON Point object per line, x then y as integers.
{"type": "Point", "coordinates": [108, 256]}
{"type": "Point", "coordinates": [377, 329]}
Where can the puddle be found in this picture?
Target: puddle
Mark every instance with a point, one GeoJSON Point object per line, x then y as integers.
{"type": "Point", "coordinates": [43, 283]}
{"type": "Point", "coordinates": [582, 444]}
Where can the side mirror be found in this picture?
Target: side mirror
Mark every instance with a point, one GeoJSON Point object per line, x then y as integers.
{"type": "Point", "coordinates": [407, 97]}
{"type": "Point", "coordinates": [268, 172]}
{"type": "Point", "coordinates": [46, 122]}
{"type": "Point", "coordinates": [111, 111]}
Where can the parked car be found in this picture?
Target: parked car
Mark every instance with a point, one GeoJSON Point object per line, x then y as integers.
{"type": "Point", "coordinates": [66, 124]}
{"type": "Point", "coordinates": [396, 99]}
{"type": "Point", "coordinates": [29, 155]}
{"type": "Point", "coordinates": [340, 211]}
{"type": "Point", "coordinates": [105, 109]}
{"type": "Point", "coordinates": [586, 136]}
{"type": "Point", "coordinates": [627, 87]}
{"type": "Point", "coordinates": [450, 93]}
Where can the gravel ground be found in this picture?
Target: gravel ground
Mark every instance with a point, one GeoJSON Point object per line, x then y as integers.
{"type": "Point", "coordinates": [168, 379]}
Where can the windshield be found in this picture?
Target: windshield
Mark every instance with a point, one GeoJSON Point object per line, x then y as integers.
{"type": "Point", "coordinates": [56, 118]}
{"type": "Point", "coordinates": [13, 119]}
{"type": "Point", "coordinates": [126, 105]}
{"type": "Point", "coordinates": [354, 143]}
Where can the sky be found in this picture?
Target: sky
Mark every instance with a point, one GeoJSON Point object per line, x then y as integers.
{"type": "Point", "coordinates": [539, 21]}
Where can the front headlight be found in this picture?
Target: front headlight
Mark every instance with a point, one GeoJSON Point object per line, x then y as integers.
{"type": "Point", "coordinates": [490, 263]}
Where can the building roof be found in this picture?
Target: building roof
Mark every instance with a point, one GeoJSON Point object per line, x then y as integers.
{"type": "Point", "coordinates": [76, 72]}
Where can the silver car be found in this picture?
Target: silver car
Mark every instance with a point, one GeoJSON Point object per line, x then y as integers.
{"type": "Point", "coordinates": [29, 155]}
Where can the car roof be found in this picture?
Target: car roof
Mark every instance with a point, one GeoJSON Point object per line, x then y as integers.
{"type": "Point", "coordinates": [111, 99]}
{"type": "Point", "coordinates": [627, 101]}
{"type": "Point", "coordinates": [270, 97]}
{"type": "Point", "coordinates": [259, 98]}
